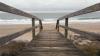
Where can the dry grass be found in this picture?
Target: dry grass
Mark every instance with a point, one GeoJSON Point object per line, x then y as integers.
{"type": "Point", "coordinates": [91, 48]}
{"type": "Point", "coordinates": [12, 48]}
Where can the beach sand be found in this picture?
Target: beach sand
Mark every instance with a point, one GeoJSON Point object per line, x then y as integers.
{"type": "Point", "coordinates": [87, 26]}
{"type": "Point", "coordinates": [9, 29]}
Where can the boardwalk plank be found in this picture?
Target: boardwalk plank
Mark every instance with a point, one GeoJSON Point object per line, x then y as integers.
{"type": "Point", "coordinates": [50, 43]}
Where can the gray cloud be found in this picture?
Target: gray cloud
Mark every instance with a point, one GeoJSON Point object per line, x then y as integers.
{"type": "Point", "coordinates": [50, 5]}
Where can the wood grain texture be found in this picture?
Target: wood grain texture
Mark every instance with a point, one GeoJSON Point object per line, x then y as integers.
{"type": "Point", "coordinates": [89, 9]}
{"type": "Point", "coordinates": [50, 43]}
{"type": "Point", "coordinates": [12, 10]}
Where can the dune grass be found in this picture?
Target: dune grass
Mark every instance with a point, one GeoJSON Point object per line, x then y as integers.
{"type": "Point", "coordinates": [87, 46]}
{"type": "Point", "coordinates": [12, 48]}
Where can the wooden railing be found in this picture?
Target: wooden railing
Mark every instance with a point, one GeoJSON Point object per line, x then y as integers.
{"type": "Point", "coordinates": [90, 9]}
{"type": "Point", "coordinates": [12, 10]}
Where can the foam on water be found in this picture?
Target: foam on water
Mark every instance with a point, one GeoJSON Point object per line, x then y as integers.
{"type": "Point", "coordinates": [89, 20]}
{"type": "Point", "coordinates": [15, 21]}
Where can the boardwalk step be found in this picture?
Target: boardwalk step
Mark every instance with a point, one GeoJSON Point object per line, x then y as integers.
{"type": "Point", "coordinates": [49, 39]}
{"type": "Point", "coordinates": [49, 49]}
{"type": "Point", "coordinates": [50, 54]}
{"type": "Point", "coordinates": [50, 43]}
{"type": "Point", "coordinates": [57, 39]}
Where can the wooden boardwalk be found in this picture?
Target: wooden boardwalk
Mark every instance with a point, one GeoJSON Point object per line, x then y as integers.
{"type": "Point", "coordinates": [50, 43]}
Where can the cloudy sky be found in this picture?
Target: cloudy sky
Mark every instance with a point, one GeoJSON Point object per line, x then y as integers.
{"type": "Point", "coordinates": [50, 5]}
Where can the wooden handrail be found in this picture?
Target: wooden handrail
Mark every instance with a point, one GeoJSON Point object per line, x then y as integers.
{"type": "Point", "coordinates": [5, 39]}
{"type": "Point", "coordinates": [89, 9]}
{"type": "Point", "coordinates": [83, 32]}
{"type": "Point", "coordinates": [86, 10]}
{"type": "Point", "coordinates": [41, 26]}
{"type": "Point", "coordinates": [57, 27]}
{"type": "Point", "coordinates": [12, 10]}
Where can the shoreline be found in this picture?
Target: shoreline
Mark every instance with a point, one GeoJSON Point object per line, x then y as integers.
{"type": "Point", "coordinates": [44, 22]}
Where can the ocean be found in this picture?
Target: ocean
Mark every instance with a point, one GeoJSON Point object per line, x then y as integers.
{"type": "Point", "coordinates": [7, 18]}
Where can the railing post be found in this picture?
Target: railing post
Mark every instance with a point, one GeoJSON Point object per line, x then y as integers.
{"type": "Point", "coordinates": [66, 25]}
{"type": "Point", "coordinates": [41, 27]}
{"type": "Point", "coordinates": [57, 26]}
{"type": "Point", "coordinates": [33, 25]}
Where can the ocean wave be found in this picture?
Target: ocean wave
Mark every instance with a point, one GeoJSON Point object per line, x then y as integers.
{"type": "Point", "coordinates": [24, 21]}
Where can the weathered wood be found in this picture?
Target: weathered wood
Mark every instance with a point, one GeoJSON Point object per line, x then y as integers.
{"type": "Point", "coordinates": [89, 9]}
{"type": "Point", "coordinates": [95, 35]}
{"type": "Point", "coordinates": [66, 25]}
{"type": "Point", "coordinates": [41, 26]}
{"type": "Point", "coordinates": [9, 9]}
{"type": "Point", "coordinates": [33, 30]}
{"type": "Point", "coordinates": [57, 25]}
{"type": "Point", "coordinates": [10, 37]}
{"type": "Point", "coordinates": [52, 44]}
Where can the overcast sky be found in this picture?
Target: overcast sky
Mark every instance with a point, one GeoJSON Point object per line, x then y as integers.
{"type": "Point", "coordinates": [50, 5]}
